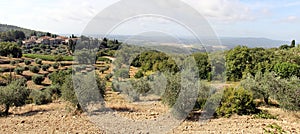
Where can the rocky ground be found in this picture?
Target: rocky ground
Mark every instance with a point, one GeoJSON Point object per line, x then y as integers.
{"type": "Point", "coordinates": [58, 117]}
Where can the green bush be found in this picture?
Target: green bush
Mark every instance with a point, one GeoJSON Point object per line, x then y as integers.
{"type": "Point", "coordinates": [45, 67]}
{"type": "Point", "coordinates": [54, 90]}
{"type": "Point", "coordinates": [239, 101]}
{"type": "Point", "coordinates": [274, 129]}
{"type": "Point", "coordinates": [12, 62]}
{"type": "Point", "coordinates": [139, 74]}
{"type": "Point", "coordinates": [38, 79]}
{"type": "Point", "coordinates": [34, 69]}
{"type": "Point", "coordinates": [205, 91]}
{"type": "Point", "coordinates": [265, 115]}
{"type": "Point", "coordinates": [38, 61]}
{"type": "Point", "coordinates": [55, 65]}
{"type": "Point", "coordinates": [108, 76]}
{"type": "Point", "coordinates": [141, 86]}
{"type": "Point", "coordinates": [14, 94]}
{"type": "Point", "coordinates": [19, 70]}
{"type": "Point", "coordinates": [67, 91]}
{"type": "Point", "coordinates": [89, 92]}
{"type": "Point", "coordinates": [27, 62]}
{"type": "Point", "coordinates": [40, 97]}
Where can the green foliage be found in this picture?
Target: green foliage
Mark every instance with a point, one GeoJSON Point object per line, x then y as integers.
{"type": "Point", "coordinates": [108, 76]}
{"type": "Point", "coordinates": [38, 61]}
{"type": "Point", "coordinates": [45, 67]}
{"type": "Point", "coordinates": [285, 91]}
{"type": "Point", "coordinates": [58, 58]}
{"type": "Point", "coordinates": [14, 94]}
{"type": "Point", "coordinates": [284, 47]}
{"type": "Point", "coordinates": [38, 79]}
{"type": "Point", "coordinates": [12, 35]}
{"type": "Point", "coordinates": [12, 62]}
{"type": "Point", "coordinates": [27, 62]}
{"type": "Point", "coordinates": [205, 91]}
{"type": "Point", "coordinates": [40, 97]}
{"type": "Point", "coordinates": [55, 65]}
{"type": "Point", "coordinates": [54, 90]}
{"type": "Point", "coordinates": [34, 69]}
{"type": "Point", "coordinates": [265, 115]}
{"type": "Point", "coordinates": [19, 70]}
{"type": "Point", "coordinates": [139, 74]}
{"type": "Point", "coordinates": [286, 70]}
{"type": "Point", "coordinates": [204, 67]}
{"type": "Point", "coordinates": [58, 77]}
{"type": "Point", "coordinates": [141, 86]}
{"type": "Point", "coordinates": [293, 44]}
{"type": "Point", "coordinates": [155, 61]}
{"type": "Point", "coordinates": [103, 59]}
{"type": "Point", "coordinates": [288, 94]}
{"type": "Point", "coordinates": [239, 101]}
{"type": "Point", "coordinates": [88, 91]}
{"type": "Point", "coordinates": [274, 129]}
{"type": "Point", "coordinates": [172, 91]}
{"type": "Point", "coordinates": [67, 91]}
{"type": "Point", "coordinates": [47, 57]}
{"type": "Point", "coordinates": [122, 73]}
{"type": "Point", "coordinates": [10, 48]}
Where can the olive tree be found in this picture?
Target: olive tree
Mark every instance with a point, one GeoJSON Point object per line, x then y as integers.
{"type": "Point", "coordinates": [14, 94]}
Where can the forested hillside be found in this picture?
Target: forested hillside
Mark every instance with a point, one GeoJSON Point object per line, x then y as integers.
{"type": "Point", "coordinates": [28, 32]}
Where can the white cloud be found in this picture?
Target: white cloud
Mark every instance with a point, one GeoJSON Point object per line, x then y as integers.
{"type": "Point", "coordinates": [289, 19]}
{"type": "Point", "coordinates": [222, 10]}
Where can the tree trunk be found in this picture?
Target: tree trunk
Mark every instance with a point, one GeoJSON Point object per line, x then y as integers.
{"type": "Point", "coordinates": [266, 99]}
{"type": "Point", "coordinates": [6, 109]}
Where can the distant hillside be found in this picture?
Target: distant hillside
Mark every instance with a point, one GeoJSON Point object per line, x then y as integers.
{"type": "Point", "coordinates": [211, 44]}
{"type": "Point", "coordinates": [252, 42]}
{"type": "Point", "coordinates": [5, 28]}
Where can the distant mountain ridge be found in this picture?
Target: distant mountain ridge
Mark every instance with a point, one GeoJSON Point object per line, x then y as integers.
{"type": "Point", "coordinates": [222, 42]}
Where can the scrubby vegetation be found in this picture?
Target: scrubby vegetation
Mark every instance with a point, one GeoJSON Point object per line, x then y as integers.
{"type": "Point", "coordinates": [14, 94]}
{"type": "Point", "coordinates": [38, 79]}
{"type": "Point", "coordinates": [48, 57]}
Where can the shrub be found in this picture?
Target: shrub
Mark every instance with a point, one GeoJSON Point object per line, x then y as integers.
{"type": "Point", "coordinates": [265, 115]}
{"type": "Point", "coordinates": [38, 61]}
{"type": "Point", "coordinates": [14, 94]}
{"type": "Point", "coordinates": [122, 73]}
{"type": "Point", "coordinates": [54, 90]}
{"type": "Point", "coordinates": [58, 77]}
{"type": "Point", "coordinates": [45, 67]}
{"type": "Point", "coordinates": [67, 91]}
{"type": "Point", "coordinates": [38, 79]}
{"type": "Point", "coordinates": [12, 62]}
{"type": "Point", "coordinates": [108, 76]}
{"type": "Point", "coordinates": [141, 86]}
{"type": "Point", "coordinates": [274, 129]}
{"type": "Point", "coordinates": [139, 74]}
{"type": "Point", "coordinates": [55, 65]}
{"type": "Point", "coordinates": [288, 94]}
{"type": "Point", "coordinates": [27, 62]}
{"type": "Point", "coordinates": [204, 92]}
{"type": "Point", "coordinates": [18, 70]}
{"type": "Point", "coordinates": [34, 69]}
{"type": "Point", "coordinates": [89, 93]}
{"type": "Point", "coordinates": [40, 97]}
{"type": "Point", "coordinates": [239, 101]}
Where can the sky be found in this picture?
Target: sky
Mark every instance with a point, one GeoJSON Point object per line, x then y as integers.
{"type": "Point", "coordinates": [274, 19]}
